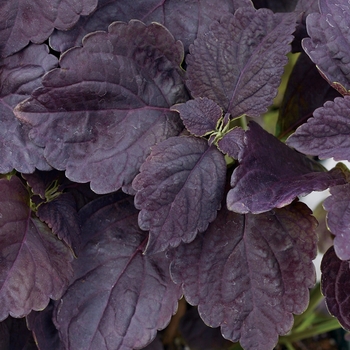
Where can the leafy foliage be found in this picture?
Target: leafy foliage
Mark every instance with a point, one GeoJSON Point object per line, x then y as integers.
{"type": "Point", "coordinates": [130, 175]}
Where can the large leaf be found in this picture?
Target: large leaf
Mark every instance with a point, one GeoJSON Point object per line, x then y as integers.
{"type": "Point", "coordinates": [338, 219]}
{"type": "Point", "coordinates": [119, 297]}
{"type": "Point", "coordinates": [329, 42]}
{"type": "Point", "coordinates": [179, 190]}
{"type": "Point", "coordinates": [22, 21]}
{"type": "Point", "coordinates": [249, 273]}
{"type": "Point", "coordinates": [184, 19]}
{"type": "Point", "coordinates": [35, 265]}
{"type": "Point", "coordinates": [306, 91]}
{"type": "Point", "coordinates": [20, 74]}
{"type": "Point", "coordinates": [271, 174]}
{"type": "Point", "coordinates": [239, 62]}
{"type": "Point", "coordinates": [335, 286]}
{"type": "Point", "coordinates": [98, 119]}
{"type": "Point", "coordinates": [326, 134]}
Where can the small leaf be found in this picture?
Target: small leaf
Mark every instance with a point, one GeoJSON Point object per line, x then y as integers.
{"type": "Point", "coordinates": [97, 120]}
{"type": "Point", "coordinates": [233, 143]}
{"type": "Point", "coordinates": [200, 115]}
{"type": "Point", "coordinates": [335, 284]}
{"type": "Point", "coordinates": [119, 297]}
{"type": "Point", "coordinates": [22, 21]}
{"type": "Point", "coordinates": [338, 219]}
{"type": "Point", "coordinates": [329, 40]}
{"type": "Point", "coordinates": [239, 62]}
{"type": "Point", "coordinates": [249, 273]}
{"type": "Point", "coordinates": [326, 134]}
{"type": "Point", "coordinates": [35, 265]}
{"type": "Point", "coordinates": [179, 190]}
{"type": "Point", "coordinates": [272, 175]}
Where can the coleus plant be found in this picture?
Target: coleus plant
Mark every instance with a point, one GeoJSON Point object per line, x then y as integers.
{"type": "Point", "coordinates": [130, 178]}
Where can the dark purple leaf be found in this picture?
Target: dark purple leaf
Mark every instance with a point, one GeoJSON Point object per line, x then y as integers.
{"type": "Point", "coordinates": [338, 219]}
{"type": "Point", "coordinates": [327, 133]}
{"type": "Point", "coordinates": [97, 120]}
{"type": "Point", "coordinates": [22, 21]}
{"type": "Point", "coordinates": [200, 115]}
{"type": "Point", "coordinates": [335, 284]}
{"type": "Point", "coordinates": [233, 143]}
{"type": "Point", "coordinates": [46, 334]}
{"type": "Point", "coordinates": [239, 62]}
{"type": "Point", "coordinates": [198, 335]}
{"type": "Point", "coordinates": [249, 273]}
{"type": "Point", "coordinates": [20, 74]}
{"type": "Point", "coordinates": [276, 6]}
{"type": "Point", "coordinates": [119, 297]}
{"type": "Point", "coordinates": [61, 216]}
{"type": "Point", "coordinates": [271, 174]}
{"type": "Point", "coordinates": [179, 190]}
{"type": "Point", "coordinates": [35, 265]}
{"type": "Point", "coordinates": [329, 42]}
{"type": "Point", "coordinates": [184, 19]}
{"type": "Point", "coordinates": [306, 91]}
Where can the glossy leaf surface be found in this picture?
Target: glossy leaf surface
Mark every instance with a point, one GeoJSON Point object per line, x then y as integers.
{"type": "Point", "coordinates": [232, 63]}
{"type": "Point", "coordinates": [22, 21]}
{"type": "Point", "coordinates": [35, 265]}
{"type": "Point", "coordinates": [20, 74]}
{"type": "Point", "coordinates": [97, 120]}
{"type": "Point", "coordinates": [335, 286]}
{"type": "Point", "coordinates": [185, 19]}
{"type": "Point", "coordinates": [327, 133]}
{"type": "Point", "coordinates": [271, 174]}
{"type": "Point", "coordinates": [249, 273]}
{"type": "Point", "coordinates": [179, 190]}
{"type": "Point", "coordinates": [119, 297]}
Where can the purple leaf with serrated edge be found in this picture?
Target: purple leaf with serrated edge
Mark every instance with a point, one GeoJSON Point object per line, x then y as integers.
{"type": "Point", "coordinates": [249, 273]}
{"type": "Point", "coordinates": [239, 62]}
{"type": "Point", "coordinates": [184, 19]}
{"type": "Point", "coordinates": [61, 216]}
{"type": "Point", "coordinates": [200, 115]}
{"type": "Point", "coordinates": [335, 284]}
{"type": "Point", "coordinates": [119, 297]}
{"type": "Point", "coordinates": [330, 38]}
{"type": "Point", "coordinates": [306, 91]}
{"type": "Point", "coordinates": [46, 334]}
{"type": "Point", "coordinates": [179, 190]}
{"type": "Point", "coordinates": [97, 120]}
{"type": "Point", "coordinates": [327, 133]}
{"type": "Point", "coordinates": [338, 219]}
{"type": "Point", "coordinates": [22, 21]}
{"type": "Point", "coordinates": [271, 174]}
{"type": "Point", "coordinates": [20, 74]}
{"type": "Point", "coordinates": [233, 143]}
{"type": "Point", "coordinates": [35, 265]}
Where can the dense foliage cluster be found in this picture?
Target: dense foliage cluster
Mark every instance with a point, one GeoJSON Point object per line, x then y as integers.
{"type": "Point", "coordinates": [130, 178]}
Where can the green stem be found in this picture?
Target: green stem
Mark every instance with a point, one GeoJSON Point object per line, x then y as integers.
{"type": "Point", "coordinates": [289, 345]}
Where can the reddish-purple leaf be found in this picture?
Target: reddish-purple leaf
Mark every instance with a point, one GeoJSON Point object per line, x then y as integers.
{"type": "Point", "coordinates": [239, 62]}
{"type": "Point", "coordinates": [119, 297]}
{"type": "Point", "coordinates": [249, 273]}
{"type": "Point", "coordinates": [98, 119]}
{"type": "Point", "coordinates": [179, 190]}
{"type": "Point", "coordinates": [271, 174]}
{"type": "Point", "coordinates": [35, 265]}
{"type": "Point", "coordinates": [327, 133]}
{"type": "Point", "coordinates": [335, 284]}
{"type": "Point", "coordinates": [20, 74]}
{"type": "Point", "coordinates": [338, 219]}
{"type": "Point", "coordinates": [184, 19]}
{"type": "Point", "coordinates": [329, 42]}
{"type": "Point", "coordinates": [306, 91]}
{"type": "Point", "coordinates": [233, 143]}
{"type": "Point", "coordinates": [200, 115]}
{"type": "Point", "coordinates": [61, 216]}
{"type": "Point", "coordinates": [22, 21]}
